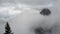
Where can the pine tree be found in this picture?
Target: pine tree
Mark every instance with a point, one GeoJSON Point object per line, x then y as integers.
{"type": "Point", "coordinates": [7, 29]}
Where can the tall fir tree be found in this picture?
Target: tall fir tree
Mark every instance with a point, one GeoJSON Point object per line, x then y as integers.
{"type": "Point", "coordinates": [7, 29]}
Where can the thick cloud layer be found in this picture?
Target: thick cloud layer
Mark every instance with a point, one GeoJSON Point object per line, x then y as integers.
{"type": "Point", "coordinates": [9, 8]}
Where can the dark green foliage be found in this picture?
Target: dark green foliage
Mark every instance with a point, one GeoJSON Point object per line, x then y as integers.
{"type": "Point", "coordinates": [7, 29]}
{"type": "Point", "coordinates": [42, 31]}
{"type": "Point", "coordinates": [39, 31]}
{"type": "Point", "coordinates": [45, 11]}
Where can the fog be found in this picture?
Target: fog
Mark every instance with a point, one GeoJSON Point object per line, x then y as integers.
{"type": "Point", "coordinates": [24, 14]}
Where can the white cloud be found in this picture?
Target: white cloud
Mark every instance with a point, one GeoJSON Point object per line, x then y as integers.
{"type": "Point", "coordinates": [13, 7]}
{"type": "Point", "coordinates": [8, 12]}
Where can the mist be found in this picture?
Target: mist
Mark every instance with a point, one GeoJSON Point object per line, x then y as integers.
{"type": "Point", "coordinates": [23, 15]}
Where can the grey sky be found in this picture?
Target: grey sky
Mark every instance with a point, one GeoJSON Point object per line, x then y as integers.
{"type": "Point", "coordinates": [8, 8]}
{"type": "Point", "coordinates": [12, 6]}
{"type": "Point", "coordinates": [31, 2]}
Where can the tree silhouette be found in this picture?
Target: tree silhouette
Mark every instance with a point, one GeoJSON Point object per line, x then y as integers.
{"type": "Point", "coordinates": [7, 29]}
{"type": "Point", "coordinates": [45, 11]}
{"type": "Point", "coordinates": [43, 31]}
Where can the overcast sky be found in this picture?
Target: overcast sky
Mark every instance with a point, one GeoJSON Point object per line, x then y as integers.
{"type": "Point", "coordinates": [9, 8]}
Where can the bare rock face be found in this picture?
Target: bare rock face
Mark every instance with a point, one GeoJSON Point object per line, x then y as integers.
{"type": "Point", "coordinates": [45, 11]}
